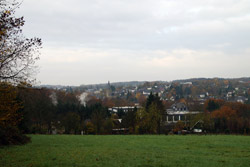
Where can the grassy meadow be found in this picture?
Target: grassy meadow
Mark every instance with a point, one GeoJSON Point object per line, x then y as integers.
{"type": "Point", "coordinates": [129, 150]}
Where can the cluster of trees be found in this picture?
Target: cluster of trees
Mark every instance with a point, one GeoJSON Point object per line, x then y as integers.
{"type": "Point", "coordinates": [225, 117]}
{"type": "Point", "coordinates": [150, 118]}
{"type": "Point", "coordinates": [46, 110]}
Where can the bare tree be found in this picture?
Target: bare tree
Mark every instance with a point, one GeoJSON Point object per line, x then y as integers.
{"type": "Point", "coordinates": [17, 53]}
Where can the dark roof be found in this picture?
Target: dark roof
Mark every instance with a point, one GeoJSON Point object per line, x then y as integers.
{"type": "Point", "coordinates": [179, 106]}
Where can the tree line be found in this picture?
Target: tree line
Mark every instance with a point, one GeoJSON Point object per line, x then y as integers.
{"type": "Point", "coordinates": [45, 111]}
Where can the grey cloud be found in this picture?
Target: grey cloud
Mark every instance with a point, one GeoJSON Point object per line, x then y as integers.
{"type": "Point", "coordinates": [138, 27]}
{"type": "Point", "coordinates": [124, 23]}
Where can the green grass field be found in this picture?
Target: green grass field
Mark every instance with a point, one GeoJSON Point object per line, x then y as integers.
{"type": "Point", "coordinates": [140, 151]}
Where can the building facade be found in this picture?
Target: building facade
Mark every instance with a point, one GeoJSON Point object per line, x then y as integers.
{"type": "Point", "coordinates": [179, 112]}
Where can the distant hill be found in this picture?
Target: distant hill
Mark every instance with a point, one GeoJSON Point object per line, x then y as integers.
{"type": "Point", "coordinates": [244, 79]}
{"type": "Point", "coordinates": [138, 83]}
{"type": "Point", "coordinates": [129, 83]}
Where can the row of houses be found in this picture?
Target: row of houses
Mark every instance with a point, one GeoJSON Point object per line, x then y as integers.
{"type": "Point", "coordinates": [177, 112]}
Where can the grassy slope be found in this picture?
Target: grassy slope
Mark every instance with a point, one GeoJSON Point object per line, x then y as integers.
{"type": "Point", "coordinates": [128, 150]}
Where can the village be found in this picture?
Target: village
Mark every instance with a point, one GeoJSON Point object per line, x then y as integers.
{"type": "Point", "coordinates": [183, 101]}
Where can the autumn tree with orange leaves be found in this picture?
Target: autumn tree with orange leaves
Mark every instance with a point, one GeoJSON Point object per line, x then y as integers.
{"type": "Point", "coordinates": [227, 117]}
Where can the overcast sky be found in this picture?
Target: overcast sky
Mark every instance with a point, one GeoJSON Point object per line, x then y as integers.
{"type": "Point", "coordinates": [96, 41]}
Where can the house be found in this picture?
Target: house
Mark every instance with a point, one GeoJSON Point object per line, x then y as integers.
{"type": "Point", "coordinates": [241, 99]}
{"type": "Point", "coordinates": [202, 96]}
{"type": "Point", "coordinates": [178, 112]}
{"type": "Point", "coordinates": [147, 93]}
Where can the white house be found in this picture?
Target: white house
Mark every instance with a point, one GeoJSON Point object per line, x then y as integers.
{"type": "Point", "coordinates": [178, 112]}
